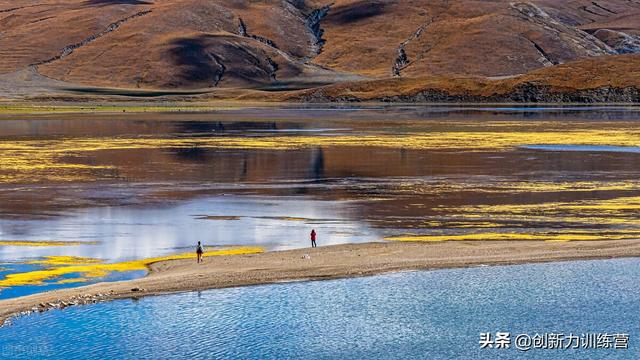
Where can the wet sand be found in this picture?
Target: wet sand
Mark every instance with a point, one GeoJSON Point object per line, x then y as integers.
{"type": "Point", "coordinates": [328, 262]}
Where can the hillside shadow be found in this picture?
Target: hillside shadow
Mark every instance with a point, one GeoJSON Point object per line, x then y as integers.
{"type": "Point", "coordinates": [351, 13]}
{"type": "Point", "coordinates": [192, 57]}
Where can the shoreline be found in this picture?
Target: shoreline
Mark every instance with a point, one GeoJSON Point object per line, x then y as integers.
{"type": "Point", "coordinates": [328, 262]}
{"type": "Point", "coordinates": [135, 106]}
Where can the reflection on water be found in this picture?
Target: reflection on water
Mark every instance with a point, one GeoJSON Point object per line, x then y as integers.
{"type": "Point", "coordinates": [125, 233]}
{"type": "Point", "coordinates": [416, 315]}
{"type": "Point", "coordinates": [119, 187]}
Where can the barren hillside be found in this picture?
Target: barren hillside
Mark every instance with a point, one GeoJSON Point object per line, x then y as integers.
{"type": "Point", "coordinates": [294, 44]}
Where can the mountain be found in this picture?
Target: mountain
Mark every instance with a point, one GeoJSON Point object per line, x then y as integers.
{"type": "Point", "coordinates": [294, 47]}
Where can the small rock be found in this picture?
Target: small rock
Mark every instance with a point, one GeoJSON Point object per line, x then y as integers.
{"type": "Point", "coordinates": [135, 289]}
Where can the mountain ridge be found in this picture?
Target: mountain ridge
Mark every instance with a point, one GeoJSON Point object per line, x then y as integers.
{"type": "Point", "coordinates": [303, 47]}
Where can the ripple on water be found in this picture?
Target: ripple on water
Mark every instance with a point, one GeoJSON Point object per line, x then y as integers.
{"type": "Point", "coordinates": [436, 314]}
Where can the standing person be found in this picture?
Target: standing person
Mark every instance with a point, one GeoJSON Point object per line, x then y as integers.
{"type": "Point", "coordinates": [199, 251]}
{"type": "Point", "coordinates": [313, 238]}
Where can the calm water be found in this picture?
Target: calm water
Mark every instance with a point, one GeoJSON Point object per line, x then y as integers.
{"type": "Point", "coordinates": [415, 315]}
{"type": "Point", "coordinates": [131, 186]}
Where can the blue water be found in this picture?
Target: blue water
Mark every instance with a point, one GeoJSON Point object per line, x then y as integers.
{"type": "Point", "coordinates": [411, 315]}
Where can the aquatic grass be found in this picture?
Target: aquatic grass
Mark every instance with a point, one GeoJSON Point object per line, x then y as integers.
{"type": "Point", "coordinates": [515, 236]}
{"type": "Point", "coordinates": [582, 220]}
{"type": "Point", "coordinates": [38, 160]}
{"type": "Point", "coordinates": [283, 218]}
{"type": "Point", "coordinates": [64, 260]}
{"type": "Point", "coordinates": [97, 270]}
{"type": "Point", "coordinates": [606, 210]}
{"type": "Point", "coordinates": [503, 186]}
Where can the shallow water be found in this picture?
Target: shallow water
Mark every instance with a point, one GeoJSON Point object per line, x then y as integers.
{"type": "Point", "coordinates": [128, 186]}
{"type": "Point", "coordinates": [412, 315]}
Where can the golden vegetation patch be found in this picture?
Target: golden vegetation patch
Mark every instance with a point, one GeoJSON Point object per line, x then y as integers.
{"type": "Point", "coordinates": [542, 236]}
{"type": "Point", "coordinates": [38, 160]}
{"type": "Point", "coordinates": [96, 269]}
{"type": "Point", "coordinates": [580, 220]}
{"type": "Point", "coordinates": [64, 260]}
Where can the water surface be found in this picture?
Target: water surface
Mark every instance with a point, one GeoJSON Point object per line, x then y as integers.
{"type": "Point", "coordinates": [118, 187]}
{"type": "Point", "coordinates": [410, 315]}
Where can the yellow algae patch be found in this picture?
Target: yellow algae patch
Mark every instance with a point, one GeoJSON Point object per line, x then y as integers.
{"type": "Point", "coordinates": [44, 243]}
{"type": "Point", "coordinates": [34, 160]}
{"type": "Point", "coordinates": [289, 218]}
{"type": "Point", "coordinates": [516, 187]}
{"type": "Point", "coordinates": [101, 269]}
{"type": "Point", "coordinates": [462, 224]}
{"type": "Point", "coordinates": [487, 236]}
{"type": "Point", "coordinates": [612, 205]}
{"type": "Point", "coordinates": [71, 281]}
{"type": "Point", "coordinates": [622, 211]}
{"type": "Point", "coordinates": [65, 260]}
{"type": "Point", "coordinates": [283, 218]}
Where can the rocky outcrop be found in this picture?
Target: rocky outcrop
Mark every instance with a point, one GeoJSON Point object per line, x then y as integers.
{"type": "Point", "coordinates": [579, 40]}
{"type": "Point", "coordinates": [534, 93]}
{"type": "Point", "coordinates": [603, 8]}
{"type": "Point", "coordinates": [312, 22]}
{"type": "Point", "coordinates": [71, 48]}
{"type": "Point", "coordinates": [11, 9]}
{"type": "Point", "coordinates": [219, 73]}
{"type": "Point", "coordinates": [577, 82]}
{"type": "Point", "coordinates": [621, 42]}
{"type": "Point", "coordinates": [525, 93]}
{"type": "Point", "coordinates": [76, 300]}
{"type": "Point", "coordinates": [402, 61]}
{"type": "Point", "coordinates": [544, 58]}
{"type": "Point", "coordinates": [242, 28]}
{"type": "Point", "coordinates": [242, 31]}
{"type": "Point", "coordinates": [273, 68]}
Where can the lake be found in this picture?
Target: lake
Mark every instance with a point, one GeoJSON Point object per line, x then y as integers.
{"type": "Point", "coordinates": [103, 188]}
{"type": "Point", "coordinates": [408, 315]}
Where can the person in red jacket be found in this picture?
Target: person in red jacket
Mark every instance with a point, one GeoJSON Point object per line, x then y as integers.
{"type": "Point", "coordinates": [313, 238]}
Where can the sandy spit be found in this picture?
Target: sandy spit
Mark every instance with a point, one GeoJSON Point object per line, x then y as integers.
{"type": "Point", "coordinates": [329, 262]}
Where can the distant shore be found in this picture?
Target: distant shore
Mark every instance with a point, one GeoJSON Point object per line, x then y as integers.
{"type": "Point", "coordinates": [329, 262]}
{"type": "Point", "coordinates": [10, 108]}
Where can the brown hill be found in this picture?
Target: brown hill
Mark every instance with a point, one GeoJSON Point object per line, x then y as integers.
{"type": "Point", "coordinates": [610, 79]}
{"type": "Point", "coordinates": [284, 44]}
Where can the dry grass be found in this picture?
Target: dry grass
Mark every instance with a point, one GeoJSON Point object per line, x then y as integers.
{"type": "Point", "coordinates": [450, 45]}
{"type": "Point", "coordinates": [620, 71]}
